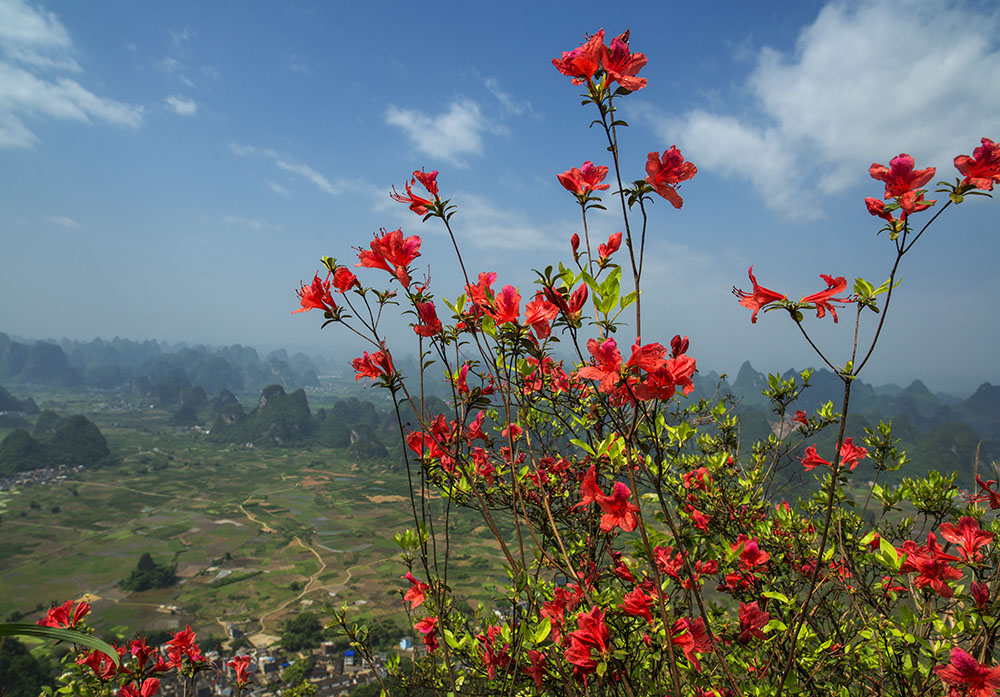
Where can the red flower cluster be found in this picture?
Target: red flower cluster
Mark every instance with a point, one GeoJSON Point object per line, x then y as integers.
{"type": "Point", "coordinates": [758, 298]}
{"type": "Point", "coordinates": [622, 382]}
{"type": "Point", "coordinates": [375, 366]}
{"type": "Point", "coordinates": [392, 253]}
{"type": "Point", "coordinates": [619, 63]}
{"type": "Point", "coordinates": [61, 615]}
{"type": "Point", "coordinates": [183, 646]}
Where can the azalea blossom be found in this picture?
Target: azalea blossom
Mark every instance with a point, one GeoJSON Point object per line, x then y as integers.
{"type": "Point", "coordinates": [582, 62]}
{"type": "Point", "coordinates": [375, 366]}
{"type": "Point", "coordinates": [968, 675]}
{"type": "Point", "coordinates": [665, 172]}
{"type": "Point", "coordinates": [622, 66]}
{"type": "Point", "coordinates": [428, 627]}
{"type": "Point", "coordinates": [758, 298]}
{"type": "Point", "coordinates": [637, 603]}
{"type": "Point", "coordinates": [61, 615]}
{"type": "Point", "coordinates": [417, 592]}
{"type": "Point", "coordinates": [823, 299]}
{"type": "Point", "coordinates": [968, 536]}
{"type": "Point", "coordinates": [149, 687]}
{"type": "Point", "coordinates": [612, 246]}
{"type": "Point", "coordinates": [392, 253]}
{"type": "Point", "coordinates": [931, 563]}
{"type": "Point", "coordinates": [240, 664]}
{"type": "Point", "coordinates": [584, 180]}
{"type": "Point", "coordinates": [419, 205]}
{"type": "Point", "coordinates": [183, 646]}
{"type": "Point", "coordinates": [316, 296]}
{"type": "Point", "coordinates": [981, 170]}
{"type": "Point", "coordinates": [900, 176]}
{"type": "Point", "coordinates": [752, 621]}
{"type": "Point", "coordinates": [608, 366]}
{"type": "Point", "coordinates": [429, 322]}
{"type": "Point", "coordinates": [538, 314]}
{"type": "Point", "coordinates": [619, 511]}
{"type": "Point", "coordinates": [344, 279]}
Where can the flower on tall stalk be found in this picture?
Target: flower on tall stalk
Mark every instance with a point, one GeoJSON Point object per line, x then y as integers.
{"type": "Point", "coordinates": [665, 172]}
{"type": "Point", "coordinates": [584, 180]}
{"type": "Point", "coordinates": [376, 366]}
{"type": "Point", "coordinates": [582, 62]}
{"type": "Point", "coordinates": [981, 170]}
{"type": "Point", "coordinates": [392, 253]}
{"type": "Point", "coordinates": [419, 205]}
{"type": "Point", "coordinates": [758, 298]}
{"type": "Point", "coordinates": [900, 176]}
{"type": "Point", "coordinates": [622, 65]}
{"type": "Point", "coordinates": [316, 296]}
{"type": "Point", "coordinates": [968, 536]}
{"type": "Point", "coordinates": [823, 299]}
{"type": "Point", "coordinates": [241, 665]}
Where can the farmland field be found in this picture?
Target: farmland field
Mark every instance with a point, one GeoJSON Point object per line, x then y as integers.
{"type": "Point", "coordinates": [257, 534]}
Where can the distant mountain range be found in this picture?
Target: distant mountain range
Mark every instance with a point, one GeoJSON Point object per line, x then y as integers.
{"type": "Point", "coordinates": [120, 362]}
{"type": "Point", "coordinates": [938, 431]}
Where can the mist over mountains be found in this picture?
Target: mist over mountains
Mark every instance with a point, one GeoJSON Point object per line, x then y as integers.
{"type": "Point", "coordinates": [199, 386]}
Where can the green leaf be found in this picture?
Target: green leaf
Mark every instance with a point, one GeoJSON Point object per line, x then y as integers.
{"type": "Point", "coordinates": [583, 446]}
{"type": "Point", "coordinates": [543, 630]}
{"type": "Point", "coordinates": [59, 634]}
{"type": "Point", "coordinates": [774, 595]}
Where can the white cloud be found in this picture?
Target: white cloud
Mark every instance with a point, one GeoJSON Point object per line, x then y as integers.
{"type": "Point", "coordinates": [276, 187]}
{"type": "Point", "coordinates": [62, 221]}
{"type": "Point", "coordinates": [182, 106]}
{"type": "Point", "coordinates": [448, 136]}
{"type": "Point", "coordinates": [486, 226]}
{"type": "Point", "coordinates": [34, 37]}
{"type": "Point", "coordinates": [866, 81]}
{"type": "Point", "coordinates": [509, 103]}
{"type": "Point", "coordinates": [34, 42]}
{"type": "Point", "coordinates": [290, 164]}
{"type": "Point", "coordinates": [24, 95]}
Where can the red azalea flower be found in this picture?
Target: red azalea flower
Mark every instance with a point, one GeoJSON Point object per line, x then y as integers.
{"type": "Point", "coordinates": [149, 687]}
{"type": "Point", "coordinates": [666, 172]}
{"type": "Point", "coordinates": [692, 637]}
{"type": "Point", "coordinates": [823, 299]}
{"type": "Point", "coordinates": [316, 297]}
{"type": "Point", "coordinates": [590, 492]}
{"type": "Point", "coordinates": [344, 279]}
{"type": "Point", "coordinates": [183, 645]}
{"type": "Point", "coordinates": [241, 665]}
{"type": "Point", "coordinates": [813, 460]}
{"type": "Point", "coordinates": [536, 669]}
{"type": "Point", "coordinates": [581, 63]}
{"type": "Point", "coordinates": [101, 663]}
{"type": "Point", "coordinates": [623, 66]}
{"type": "Point", "coordinates": [508, 305]}
{"type": "Point", "coordinates": [583, 180]}
{"type": "Point", "coordinates": [966, 674]}
{"type": "Point", "coordinates": [801, 417]}
{"type": "Point", "coordinates": [391, 253]}
{"type": "Point", "coordinates": [752, 621]}
{"type": "Point", "coordinates": [614, 243]}
{"type": "Point", "coordinates": [429, 322]}
{"type": "Point", "coordinates": [637, 603]}
{"type": "Point", "coordinates": [574, 242]}
{"type": "Point", "coordinates": [757, 298]}
{"type": "Point", "coordinates": [609, 364]}
{"type": "Point", "coordinates": [417, 592]}
{"type": "Point", "coordinates": [538, 314]}
{"type": "Point", "coordinates": [983, 168]}
{"type": "Point", "coordinates": [619, 511]}
{"type": "Point", "coordinates": [375, 366]}
{"type": "Point", "coordinates": [665, 563]}
{"type": "Point", "coordinates": [851, 454]}
{"type": "Point", "coordinates": [980, 593]}
{"type": "Point", "coordinates": [60, 615]}
{"type": "Point", "coordinates": [877, 208]}
{"type": "Point", "coordinates": [989, 495]}
{"type": "Point", "coordinates": [751, 555]}
{"type": "Point", "coordinates": [418, 205]}
{"type": "Point", "coordinates": [911, 202]}
{"type": "Point", "coordinates": [968, 536]}
{"type": "Point", "coordinates": [931, 563]}
{"type": "Point", "coordinates": [592, 634]}
{"type": "Point", "coordinates": [899, 176]}
{"type": "Point", "coordinates": [428, 627]}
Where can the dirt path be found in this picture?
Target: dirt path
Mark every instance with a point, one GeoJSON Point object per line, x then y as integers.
{"type": "Point", "coordinates": [147, 493]}
{"type": "Point", "coordinates": [314, 579]}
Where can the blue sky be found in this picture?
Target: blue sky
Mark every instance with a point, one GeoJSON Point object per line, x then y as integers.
{"type": "Point", "coordinates": [173, 170]}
